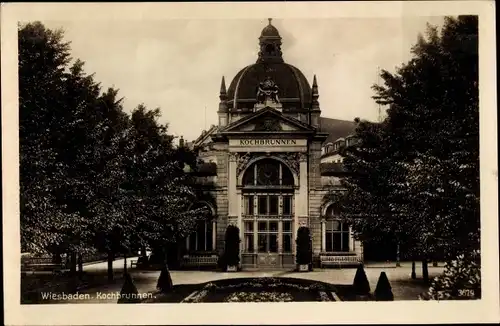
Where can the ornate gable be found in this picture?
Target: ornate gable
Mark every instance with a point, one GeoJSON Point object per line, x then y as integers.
{"type": "Point", "coordinates": [205, 137]}
{"type": "Point", "coordinates": [267, 120]}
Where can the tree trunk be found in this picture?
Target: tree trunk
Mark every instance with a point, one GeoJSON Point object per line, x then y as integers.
{"type": "Point", "coordinates": [425, 270]}
{"type": "Point", "coordinates": [72, 268]}
{"type": "Point", "coordinates": [80, 265]}
{"type": "Point", "coordinates": [56, 258]}
{"type": "Point", "coordinates": [434, 264]}
{"type": "Point", "coordinates": [111, 258]}
{"type": "Point", "coordinates": [413, 273]}
{"type": "Point", "coordinates": [143, 252]}
{"type": "Point", "coordinates": [124, 263]}
{"type": "Point", "coordinates": [398, 264]}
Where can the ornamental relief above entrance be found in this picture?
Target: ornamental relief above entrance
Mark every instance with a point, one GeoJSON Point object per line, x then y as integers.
{"type": "Point", "coordinates": [291, 159]}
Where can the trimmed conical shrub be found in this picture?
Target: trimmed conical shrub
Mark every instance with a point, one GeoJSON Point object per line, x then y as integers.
{"type": "Point", "coordinates": [361, 285]}
{"type": "Point", "coordinates": [383, 291]}
{"type": "Point", "coordinates": [304, 252]}
{"type": "Point", "coordinates": [232, 246]}
{"type": "Point", "coordinates": [129, 293]}
{"type": "Point", "coordinates": [164, 281]}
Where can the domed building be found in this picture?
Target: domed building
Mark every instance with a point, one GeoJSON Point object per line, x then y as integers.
{"type": "Point", "coordinates": [267, 166]}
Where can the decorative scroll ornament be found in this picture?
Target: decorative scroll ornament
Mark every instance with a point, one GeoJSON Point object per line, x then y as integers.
{"type": "Point", "coordinates": [242, 162]}
{"type": "Point", "coordinates": [293, 161]}
{"type": "Point", "coordinates": [303, 222]}
{"type": "Point", "coordinates": [233, 157]}
{"type": "Point", "coordinates": [267, 90]}
{"type": "Point", "coordinates": [268, 124]}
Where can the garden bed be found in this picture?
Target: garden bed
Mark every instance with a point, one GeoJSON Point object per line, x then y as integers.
{"type": "Point", "coordinates": [253, 290]}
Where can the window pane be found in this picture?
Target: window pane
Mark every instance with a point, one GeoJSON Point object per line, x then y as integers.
{"type": "Point", "coordinates": [268, 172]}
{"type": "Point", "coordinates": [286, 176]}
{"type": "Point", "coordinates": [329, 242]}
{"type": "Point", "coordinates": [249, 205]}
{"type": "Point", "coordinates": [209, 241]}
{"type": "Point", "coordinates": [345, 241]}
{"type": "Point", "coordinates": [331, 211]}
{"type": "Point", "coordinates": [248, 226]}
{"type": "Point", "coordinates": [262, 242]}
{"type": "Point", "coordinates": [208, 236]}
{"type": "Point", "coordinates": [337, 243]}
{"type": "Point", "coordinates": [263, 205]}
{"type": "Point", "coordinates": [336, 225]}
{"type": "Point", "coordinates": [287, 226]}
{"type": "Point", "coordinates": [262, 226]}
{"type": "Point", "coordinates": [201, 241]}
{"type": "Point", "coordinates": [287, 205]}
{"type": "Point", "coordinates": [249, 242]}
{"type": "Point", "coordinates": [273, 226]}
{"type": "Point", "coordinates": [192, 241]}
{"type": "Point", "coordinates": [249, 177]}
{"type": "Point", "coordinates": [273, 243]}
{"type": "Point", "coordinates": [329, 225]}
{"type": "Point", "coordinates": [273, 205]}
{"type": "Point", "coordinates": [287, 243]}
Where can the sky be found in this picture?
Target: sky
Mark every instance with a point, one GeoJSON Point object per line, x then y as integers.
{"type": "Point", "coordinates": [177, 64]}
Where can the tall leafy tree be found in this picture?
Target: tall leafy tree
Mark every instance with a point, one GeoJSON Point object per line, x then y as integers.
{"type": "Point", "coordinates": [160, 194]}
{"type": "Point", "coordinates": [43, 58]}
{"type": "Point", "coordinates": [415, 176]}
{"type": "Point", "coordinates": [93, 178]}
{"type": "Point", "coordinates": [434, 117]}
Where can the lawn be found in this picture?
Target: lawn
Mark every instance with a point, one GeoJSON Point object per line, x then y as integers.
{"type": "Point", "coordinates": [264, 289]}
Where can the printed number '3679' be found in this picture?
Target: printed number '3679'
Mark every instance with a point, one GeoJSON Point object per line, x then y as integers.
{"type": "Point", "coordinates": [466, 292]}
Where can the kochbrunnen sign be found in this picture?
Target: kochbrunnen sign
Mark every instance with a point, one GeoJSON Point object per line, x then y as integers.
{"type": "Point", "coordinates": [267, 142]}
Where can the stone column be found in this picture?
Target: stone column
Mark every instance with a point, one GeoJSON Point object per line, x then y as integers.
{"type": "Point", "coordinates": [352, 246]}
{"type": "Point", "coordinates": [323, 235]}
{"type": "Point", "coordinates": [358, 249]}
{"type": "Point", "coordinates": [295, 225]}
{"type": "Point", "coordinates": [232, 183]}
{"type": "Point", "coordinates": [255, 232]}
{"type": "Point", "coordinates": [214, 235]}
{"type": "Point", "coordinates": [239, 200]}
{"type": "Point", "coordinates": [303, 200]}
{"type": "Point", "coordinates": [280, 236]}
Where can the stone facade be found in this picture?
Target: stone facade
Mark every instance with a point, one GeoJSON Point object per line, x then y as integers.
{"type": "Point", "coordinates": [269, 178]}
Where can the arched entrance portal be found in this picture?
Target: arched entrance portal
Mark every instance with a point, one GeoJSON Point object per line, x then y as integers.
{"type": "Point", "coordinates": [267, 215]}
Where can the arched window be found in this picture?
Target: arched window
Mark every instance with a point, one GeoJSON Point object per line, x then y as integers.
{"type": "Point", "coordinates": [202, 239]}
{"type": "Point", "coordinates": [268, 199]}
{"type": "Point", "coordinates": [268, 172]}
{"type": "Point", "coordinates": [337, 233]}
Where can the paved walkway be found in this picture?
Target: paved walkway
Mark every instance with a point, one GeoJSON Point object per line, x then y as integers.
{"type": "Point", "coordinates": [103, 265]}
{"type": "Point", "coordinates": [404, 288]}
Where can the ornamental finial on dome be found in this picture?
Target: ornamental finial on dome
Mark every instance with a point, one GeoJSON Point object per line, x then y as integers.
{"type": "Point", "coordinates": [270, 44]}
{"type": "Point", "coordinates": [223, 97]}
{"type": "Point", "coordinates": [223, 87]}
{"type": "Point", "coordinates": [315, 94]}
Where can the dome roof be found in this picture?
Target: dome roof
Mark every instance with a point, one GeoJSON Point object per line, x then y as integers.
{"type": "Point", "coordinates": [270, 30]}
{"type": "Point", "coordinates": [294, 89]}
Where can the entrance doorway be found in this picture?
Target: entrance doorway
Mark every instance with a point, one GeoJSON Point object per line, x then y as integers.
{"type": "Point", "coordinates": [268, 199]}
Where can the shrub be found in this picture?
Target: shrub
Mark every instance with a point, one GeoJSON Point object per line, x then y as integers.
{"type": "Point", "coordinates": [129, 293]}
{"type": "Point", "coordinates": [361, 285]}
{"type": "Point", "coordinates": [304, 249]}
{"type": "Point", "coordinates": [383, 290]}
{"type": "Point", "coordinates": [461, 279]}
{"type": "Point", "coordinates": [231, 256]}
{"type": "Point", "coordinates": [164, 284]}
